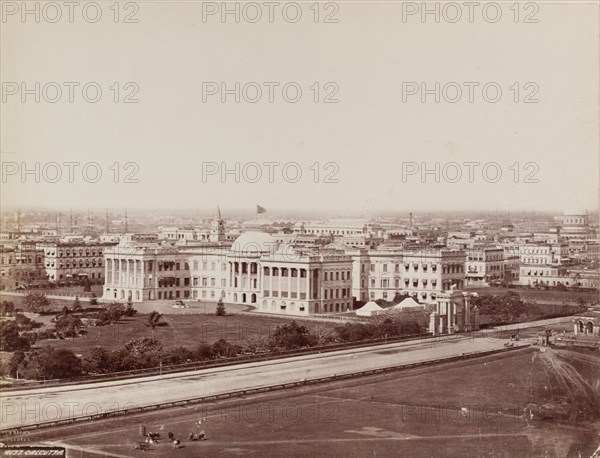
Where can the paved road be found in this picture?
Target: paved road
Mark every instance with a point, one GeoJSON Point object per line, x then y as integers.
{"type": "Point", "coordinates": [48, 404]}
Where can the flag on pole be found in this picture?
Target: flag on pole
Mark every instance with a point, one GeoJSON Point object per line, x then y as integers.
{"type": "Point", "coordinates": [260, 209]}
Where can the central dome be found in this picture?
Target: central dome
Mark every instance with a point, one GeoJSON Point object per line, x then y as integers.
{"type": "Point", "coordinates": [254, 242]}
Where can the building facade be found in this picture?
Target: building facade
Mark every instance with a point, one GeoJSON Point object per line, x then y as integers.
{"type": "Point", "coordinates": [254, 270]}
{"type": "Point", "coordinates": [484, 265]}
{"type": "Point", "coordinates": [381, 273]}
{"type": "Point", "coordinates": [74, 261]}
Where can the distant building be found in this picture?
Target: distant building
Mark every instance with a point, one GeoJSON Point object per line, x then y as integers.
{"type": "Point", "coordinates": [575, 225]}
{"type": "Point", "coordinates": [484, 265]}
{"type": "Point", "coordinates": [74, 261]}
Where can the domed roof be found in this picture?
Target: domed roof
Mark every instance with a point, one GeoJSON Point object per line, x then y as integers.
{"type": "Point", "coordinates": [254, 242]}
{"type": "Point", "coordinates": [575, 212]}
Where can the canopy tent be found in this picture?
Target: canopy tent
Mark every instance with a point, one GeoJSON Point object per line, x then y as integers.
{"type": "Point", "coordinates": [408, 303]}
{"type": "Point", "coordinates": [368, 309]}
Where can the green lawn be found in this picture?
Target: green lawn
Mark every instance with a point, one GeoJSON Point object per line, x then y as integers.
{"type": "Point", "coordinates": [179, 330]}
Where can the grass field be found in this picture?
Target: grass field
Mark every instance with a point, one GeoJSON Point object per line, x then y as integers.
{"type": "Point", "coordinates": [178, 330]}
{"type": "Point", "coordinates": [413, 413]}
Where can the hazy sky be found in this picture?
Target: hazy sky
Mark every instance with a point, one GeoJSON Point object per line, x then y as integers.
{"type": "Point", "coordinates": [370, 136]}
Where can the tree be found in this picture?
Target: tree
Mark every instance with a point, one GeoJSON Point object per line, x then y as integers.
{"type": "Point", "coordinates": [48, 363]}
{"type": "Point", "coordinates": [290, 336]}
{"type": "Point", "coordinates": [129, 310]}
{"type": "Point", "coordinates": [94, 299]}
{"type": "Point", "coordinates": [64, 312]}
{"type": "Point", "coordinates": [146, 352]}
{"type": "Point", "coordinates": [26, 324]}
{"type": "Point", "coordinates": [139, 347]}
{"type": "Point", "coordinates": [153, 321]}
{"type": "Point", "coordinates": [77, 305]}
{"type": "Point", "coordinates": [98, 362]}
{"type": "Point", "coordinates": [36, 302]}
{"type": "Point", "coordinates": [87, 286]}
{"type": "Point", "coordinates": [7, 308]}
{"type": "Point", "coordinates": [220, 307]}
{"type": "Point", "coordinates": [68, 326]}
{"type": "Point", "coordinates": [9, 337]}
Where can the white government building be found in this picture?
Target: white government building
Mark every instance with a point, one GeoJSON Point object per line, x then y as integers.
{"type": "Point", "coordinates": [255, 269]}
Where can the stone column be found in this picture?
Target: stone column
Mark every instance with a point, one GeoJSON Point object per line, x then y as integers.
{"type": "Point", "coordinates": [308, 278]}
{"type": "Point", "coordinates": [279, 281]}
{"type": "Point", "coordinates": [135, 280]}
{"type": "Point", "coordinates": [433, 325]}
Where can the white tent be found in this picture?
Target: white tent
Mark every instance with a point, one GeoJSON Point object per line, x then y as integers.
{"type": "Point", "coordinates": [408, 303]}
{"type": "Point", "coordinates": [368, 309]}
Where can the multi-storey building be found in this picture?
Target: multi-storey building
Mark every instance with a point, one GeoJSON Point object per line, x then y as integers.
{"type": "Point", "coordinates": [340, 228]}
{"type": "Point", "coordinates": [66, 261]}
{"type": "Point", "coordinates": [255, 269]}
{"type": "Point", "coordinates": [484, 265]}
{"type": "Point", "coordinates": [542, 260]}
{"type": "Point", "coordinates": [575, 225]}
{"type": "Point", "coordinates": [549, 254]}
{"type": "Point", "coordinates": [382, 273]}
{"type": "Point", "coordinates": [145, 271]}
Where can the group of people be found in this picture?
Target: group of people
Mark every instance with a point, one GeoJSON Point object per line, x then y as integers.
{"type": "Point", "coordinates": [153, 437]}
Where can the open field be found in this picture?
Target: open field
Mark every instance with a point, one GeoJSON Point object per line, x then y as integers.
{"type": "Point", "coordinates": [179, 330]}
{"type": "Point", "coordinates": [412, 413]}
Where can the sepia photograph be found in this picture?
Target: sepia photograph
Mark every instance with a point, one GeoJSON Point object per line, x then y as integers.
{"type": "Point", "coordinates": [300, 229]}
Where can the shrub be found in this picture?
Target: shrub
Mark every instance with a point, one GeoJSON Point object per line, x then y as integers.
{"type": "Point", "coordinates": [36, 302]}
{"type": "Point", "coordinates": [291, 336]}
{"type": "Point", "coordinates": [220, 308]}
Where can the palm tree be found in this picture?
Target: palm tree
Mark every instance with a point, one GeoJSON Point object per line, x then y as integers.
{"type": "Point", "coordinates": [153, 320]}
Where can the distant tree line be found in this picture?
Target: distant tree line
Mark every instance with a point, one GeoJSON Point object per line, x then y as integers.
{"type": "Point", "coordinates": [510, 308]}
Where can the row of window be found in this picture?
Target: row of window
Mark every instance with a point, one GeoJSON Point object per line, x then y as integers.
{"type": "Point", "coordinates": [204, 281]}
{"type": "Point", "coordinates": [538, 261]}
{"type": "Point", "coordinates": [337, 307]}
{"type": "Point", "coordinates": [93, 276]}
{"type": "Point", "coordinates": [423, 296]}
{"type": "Point", "coordinates": [385, 282]}
{"type": "Point", "coordinates": [341, 275]}
{"type": "Point", "coordinates": [74, 253]}
{"type": "Point", "coordinates": [339, 293]}
{"type": "Point", "coordinates": [173, 294]}
{"type": "Point", "coordinates": [213, 265]}
{"type": "Point", "coordinates": [283, 272]}
{"type": "Point", "coordinates": [171, 265]}
{"type": "Point", "coordinates": [446, 268]}
{"type": "Point", "coordinates": [292, 295]}
{"type": "Point", "coordinates": [68, 265]}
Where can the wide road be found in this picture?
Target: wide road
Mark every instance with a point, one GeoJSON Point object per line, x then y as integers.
{"type": "Point", "coordinates": [26, 407]}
